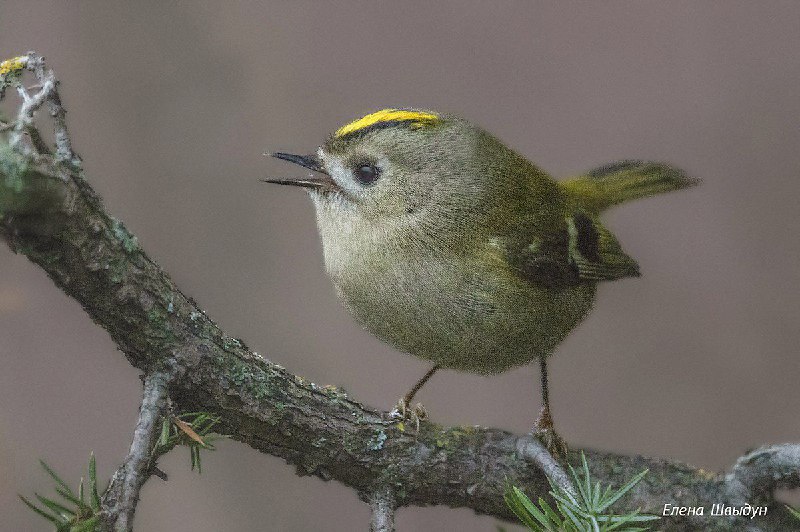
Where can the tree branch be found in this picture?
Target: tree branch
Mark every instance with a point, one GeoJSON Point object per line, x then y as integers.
{"type": "Point", "coordinates": [382, 506]}
{"type": "Point", "coordinates": [50, 214]}
{"type": "Point", "coordinates": [120, 500]}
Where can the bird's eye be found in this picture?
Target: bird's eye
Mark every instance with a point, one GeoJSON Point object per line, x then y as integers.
{"type": "Point", "coordinates": [367, 174]}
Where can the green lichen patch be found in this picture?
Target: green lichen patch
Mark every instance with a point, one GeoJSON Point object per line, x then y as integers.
{"type": "Point", "coordinates": [128, 241]}
{"type": "Point", "coordinates": [229, 343]}
{"type": "Point", "coordinates": [376, 442]}
{"type": "Point", "coordinates": [248, 377]}
{"type": "Point", "coordinates": [14, 167]}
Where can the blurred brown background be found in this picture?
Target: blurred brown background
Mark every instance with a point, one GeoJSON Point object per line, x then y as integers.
{"type": "Point", "coordinates": [171, 107]}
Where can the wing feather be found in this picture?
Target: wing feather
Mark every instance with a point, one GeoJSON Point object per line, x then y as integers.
{"type": "Point", "coordinates": [583, 251]}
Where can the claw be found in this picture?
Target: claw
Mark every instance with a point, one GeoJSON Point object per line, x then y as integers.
{"type": "Point", "coordinates": [403, 411]}
{"type": "Point", "coordinates": [554, 443]}
{"type": "Point", "coordinates": [544, 430]}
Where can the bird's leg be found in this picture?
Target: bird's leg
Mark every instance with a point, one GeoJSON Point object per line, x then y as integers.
{"type": "Point", "coordinates": [403, 410]}
{"type": "Point", "coordinates": [407, 398]}
{"type": "Point", "coordinates": [544, 428]}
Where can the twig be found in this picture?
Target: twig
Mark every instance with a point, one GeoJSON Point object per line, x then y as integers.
{"type": "Point", "coordinates": [382, 506]}
{"type": "Point", "coordinates": [530, 448]}
{"type": "Point", "coordinates": [47, 93]}
{"type": "Point", "coordinates": [763, 469]}
{"type": "Point", "coordinates": [120, 500]}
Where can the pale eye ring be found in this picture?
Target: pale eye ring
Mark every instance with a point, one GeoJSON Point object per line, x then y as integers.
{"type": "Point", "coordinates": [366, 173]}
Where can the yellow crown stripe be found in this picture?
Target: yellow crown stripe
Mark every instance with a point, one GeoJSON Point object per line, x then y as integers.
{"type": "Point", "coordinates": [387, 115]}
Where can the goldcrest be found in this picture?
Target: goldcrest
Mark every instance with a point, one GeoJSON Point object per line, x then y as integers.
{"type": "Point", "coordinates": [452, 247]}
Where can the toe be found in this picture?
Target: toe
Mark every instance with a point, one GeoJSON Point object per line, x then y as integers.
{"type": "Point", "coordinates": [554, 443]}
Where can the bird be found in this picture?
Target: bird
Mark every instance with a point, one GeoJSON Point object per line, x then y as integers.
{"type": "Point", "coordinates": [452, 247]}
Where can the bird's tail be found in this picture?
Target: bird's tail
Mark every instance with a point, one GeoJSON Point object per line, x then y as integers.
{"type": "Point", "coordinates": [618, 182]}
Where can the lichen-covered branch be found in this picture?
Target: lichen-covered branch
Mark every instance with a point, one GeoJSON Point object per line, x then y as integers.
{"type": "Point", "coordinates": [120, 499]}
{"type": "Point", "coordinates": [50, 214]}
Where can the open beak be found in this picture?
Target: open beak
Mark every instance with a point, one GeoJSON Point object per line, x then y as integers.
{"type": "Point", "coordinates": [323, 182]}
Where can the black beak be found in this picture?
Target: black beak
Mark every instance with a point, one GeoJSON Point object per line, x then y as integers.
{"type": "Point", "coordinates": [311, 162]}
{"type": "Point", "coordinates": [307, 161]}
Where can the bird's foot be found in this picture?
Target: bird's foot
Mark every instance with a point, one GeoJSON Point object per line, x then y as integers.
{"type": "Point", "coordinates": [544, 430]}
{"type": "Point", "coordinates": [405, 412]}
